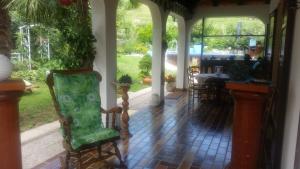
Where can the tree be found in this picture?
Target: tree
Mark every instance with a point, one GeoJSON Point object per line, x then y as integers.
{"type": "Point", "coordinates": [224, 28]}
{"type": "Point", "coordinates": [5, 42]}
{"type": "Point", "coordinates": [196, 35]}
{"type": "Point", "coordinates": [144, 34]}
{"type": "Point", "coordinates": [145, 66]}
{"type": "Point", "coordinates": [171, 33]}
{"type": "Point", "coordinates": [74, 23]}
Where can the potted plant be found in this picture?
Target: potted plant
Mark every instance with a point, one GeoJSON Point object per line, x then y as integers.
{"type": "Point", "coordinates": [171, 85]}
{"type": "Point", "coordinates": [145, 66]}
{"type": "Point", "coordinates": [125, 80]}
{"type": "Point", "coordinates": [124, 83]}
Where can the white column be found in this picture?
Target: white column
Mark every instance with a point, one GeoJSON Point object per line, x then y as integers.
{"type": "Point", "coordinates": [159, 19]}
{"type": "Point", "coordinates": [104, 29]}
{"type": "Point", "coordinates": [183, 51]}
{"type": "Point", "coordinates": [158, 55]}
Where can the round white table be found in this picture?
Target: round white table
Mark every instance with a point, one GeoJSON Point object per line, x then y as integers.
{"type": "Point", "coordinates": [202, 77]}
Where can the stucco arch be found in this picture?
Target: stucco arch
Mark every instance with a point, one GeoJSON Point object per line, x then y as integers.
{"type": "Point", "coordinates": [183, 49]}
{"type": "Point", "coordinates": [159, 19]}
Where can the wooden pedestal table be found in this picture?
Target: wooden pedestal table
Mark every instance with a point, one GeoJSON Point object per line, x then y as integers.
{"type": "Point", "coordinates": [10, 146]}
{"type": "Point", "coordinates": [249, 100]}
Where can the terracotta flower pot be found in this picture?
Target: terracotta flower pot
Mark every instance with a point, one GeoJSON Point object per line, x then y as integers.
{"type": "Point", "coordinates": [147, 80]}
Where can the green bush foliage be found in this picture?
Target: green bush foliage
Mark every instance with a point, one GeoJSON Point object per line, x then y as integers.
{"type": "Point", "coordinates": [39, 71]}
{"type": "Point", "coordinates": [145, 66]}
{"type": "Point", "coordinates": [144, 33]}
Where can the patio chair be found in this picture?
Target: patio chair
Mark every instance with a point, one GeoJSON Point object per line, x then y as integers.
{"type": "Point", "coordinates": [194, 86]}
{"type": "Point", "coordinates": [77, 102]}
{"type": "Point", "coordinates": [194, 70]}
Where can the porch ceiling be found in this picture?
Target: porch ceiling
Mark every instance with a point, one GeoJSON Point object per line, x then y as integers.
{"type": "Point", "coordinates": [186, 7]}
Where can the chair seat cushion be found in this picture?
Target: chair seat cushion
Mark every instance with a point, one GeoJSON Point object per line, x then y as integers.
{"type": "Point", "coordinates": [102, 134]}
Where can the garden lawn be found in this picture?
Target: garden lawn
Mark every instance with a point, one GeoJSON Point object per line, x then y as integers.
{"type": "Point", "coordinates": [130, 65]}
{"type": "Point", "coordinates": [36, 108]}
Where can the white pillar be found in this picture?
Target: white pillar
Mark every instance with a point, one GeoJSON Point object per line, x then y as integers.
{"type": "Point", "coordinates": [104, 29]}
{"type": "Point", "coordinates": [183, 51]}
{"type": "Point", "coordinates": [159, 19]}
{"type": "Point", "coordinates": [158, 55]}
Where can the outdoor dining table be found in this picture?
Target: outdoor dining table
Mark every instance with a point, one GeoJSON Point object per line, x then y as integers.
{"type": "Point", "coordinates": [202, 77]}
{"type": "Point", "coordinates": [220, 79]}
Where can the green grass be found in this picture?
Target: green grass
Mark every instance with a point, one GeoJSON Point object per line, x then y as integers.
{"type": "Point", "coordinates": [129, 65]}
{"type": "Point", "coordinates": [36, 108]}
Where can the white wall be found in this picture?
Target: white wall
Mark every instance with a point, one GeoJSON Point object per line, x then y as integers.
{"type": "Point", "coordinates": [293, 105]}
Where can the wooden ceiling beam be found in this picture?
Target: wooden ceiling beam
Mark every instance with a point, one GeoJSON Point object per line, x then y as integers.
{"type": "Point", "coordinates": [176, 6]}
{"type": "Point", "coordinates": [186, 8]}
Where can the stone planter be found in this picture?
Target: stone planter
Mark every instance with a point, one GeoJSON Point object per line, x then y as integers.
{"type": "Point", "coordinates": [249, 105]}
{"type": "Point", "coordinates": [171, 86]}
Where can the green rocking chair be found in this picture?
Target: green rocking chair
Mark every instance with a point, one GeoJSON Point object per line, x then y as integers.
{"type": "Point", "coordinates": [77, 101]}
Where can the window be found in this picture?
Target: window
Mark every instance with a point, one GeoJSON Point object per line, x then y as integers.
{"type": "Point", "coordinates": [223, 38]}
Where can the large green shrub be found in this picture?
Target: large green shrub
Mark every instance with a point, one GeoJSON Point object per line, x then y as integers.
{"type": "Point", "coordinates": [38, 73]}
{"type": "Point", "coordinates": [145, 66]}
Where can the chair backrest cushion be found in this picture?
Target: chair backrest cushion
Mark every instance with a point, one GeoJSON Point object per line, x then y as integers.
{"type": "Point", "coordinates": [78, 97]}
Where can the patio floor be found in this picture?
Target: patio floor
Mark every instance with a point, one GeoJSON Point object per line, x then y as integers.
{"type": "Point", "coordinates": [175, 135]}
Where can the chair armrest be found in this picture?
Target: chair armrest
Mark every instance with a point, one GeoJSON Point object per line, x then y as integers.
{"type": "Point", "coordinates": [65, 121]}
{"type": "Point", "coordinates": [113, 117]}
{"type": "Point", "coordinates": [115, 110]}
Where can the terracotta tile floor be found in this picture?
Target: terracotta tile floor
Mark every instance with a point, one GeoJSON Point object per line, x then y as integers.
{"type": "Point", "coordinates": [176, 135]}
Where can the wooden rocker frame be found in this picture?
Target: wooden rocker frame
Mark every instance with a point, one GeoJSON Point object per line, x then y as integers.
{"type": "Point", "coordinates": [75, 156]}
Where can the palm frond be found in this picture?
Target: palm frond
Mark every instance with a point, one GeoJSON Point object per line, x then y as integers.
{"type": "Point", "coordinates": [34, 10]}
